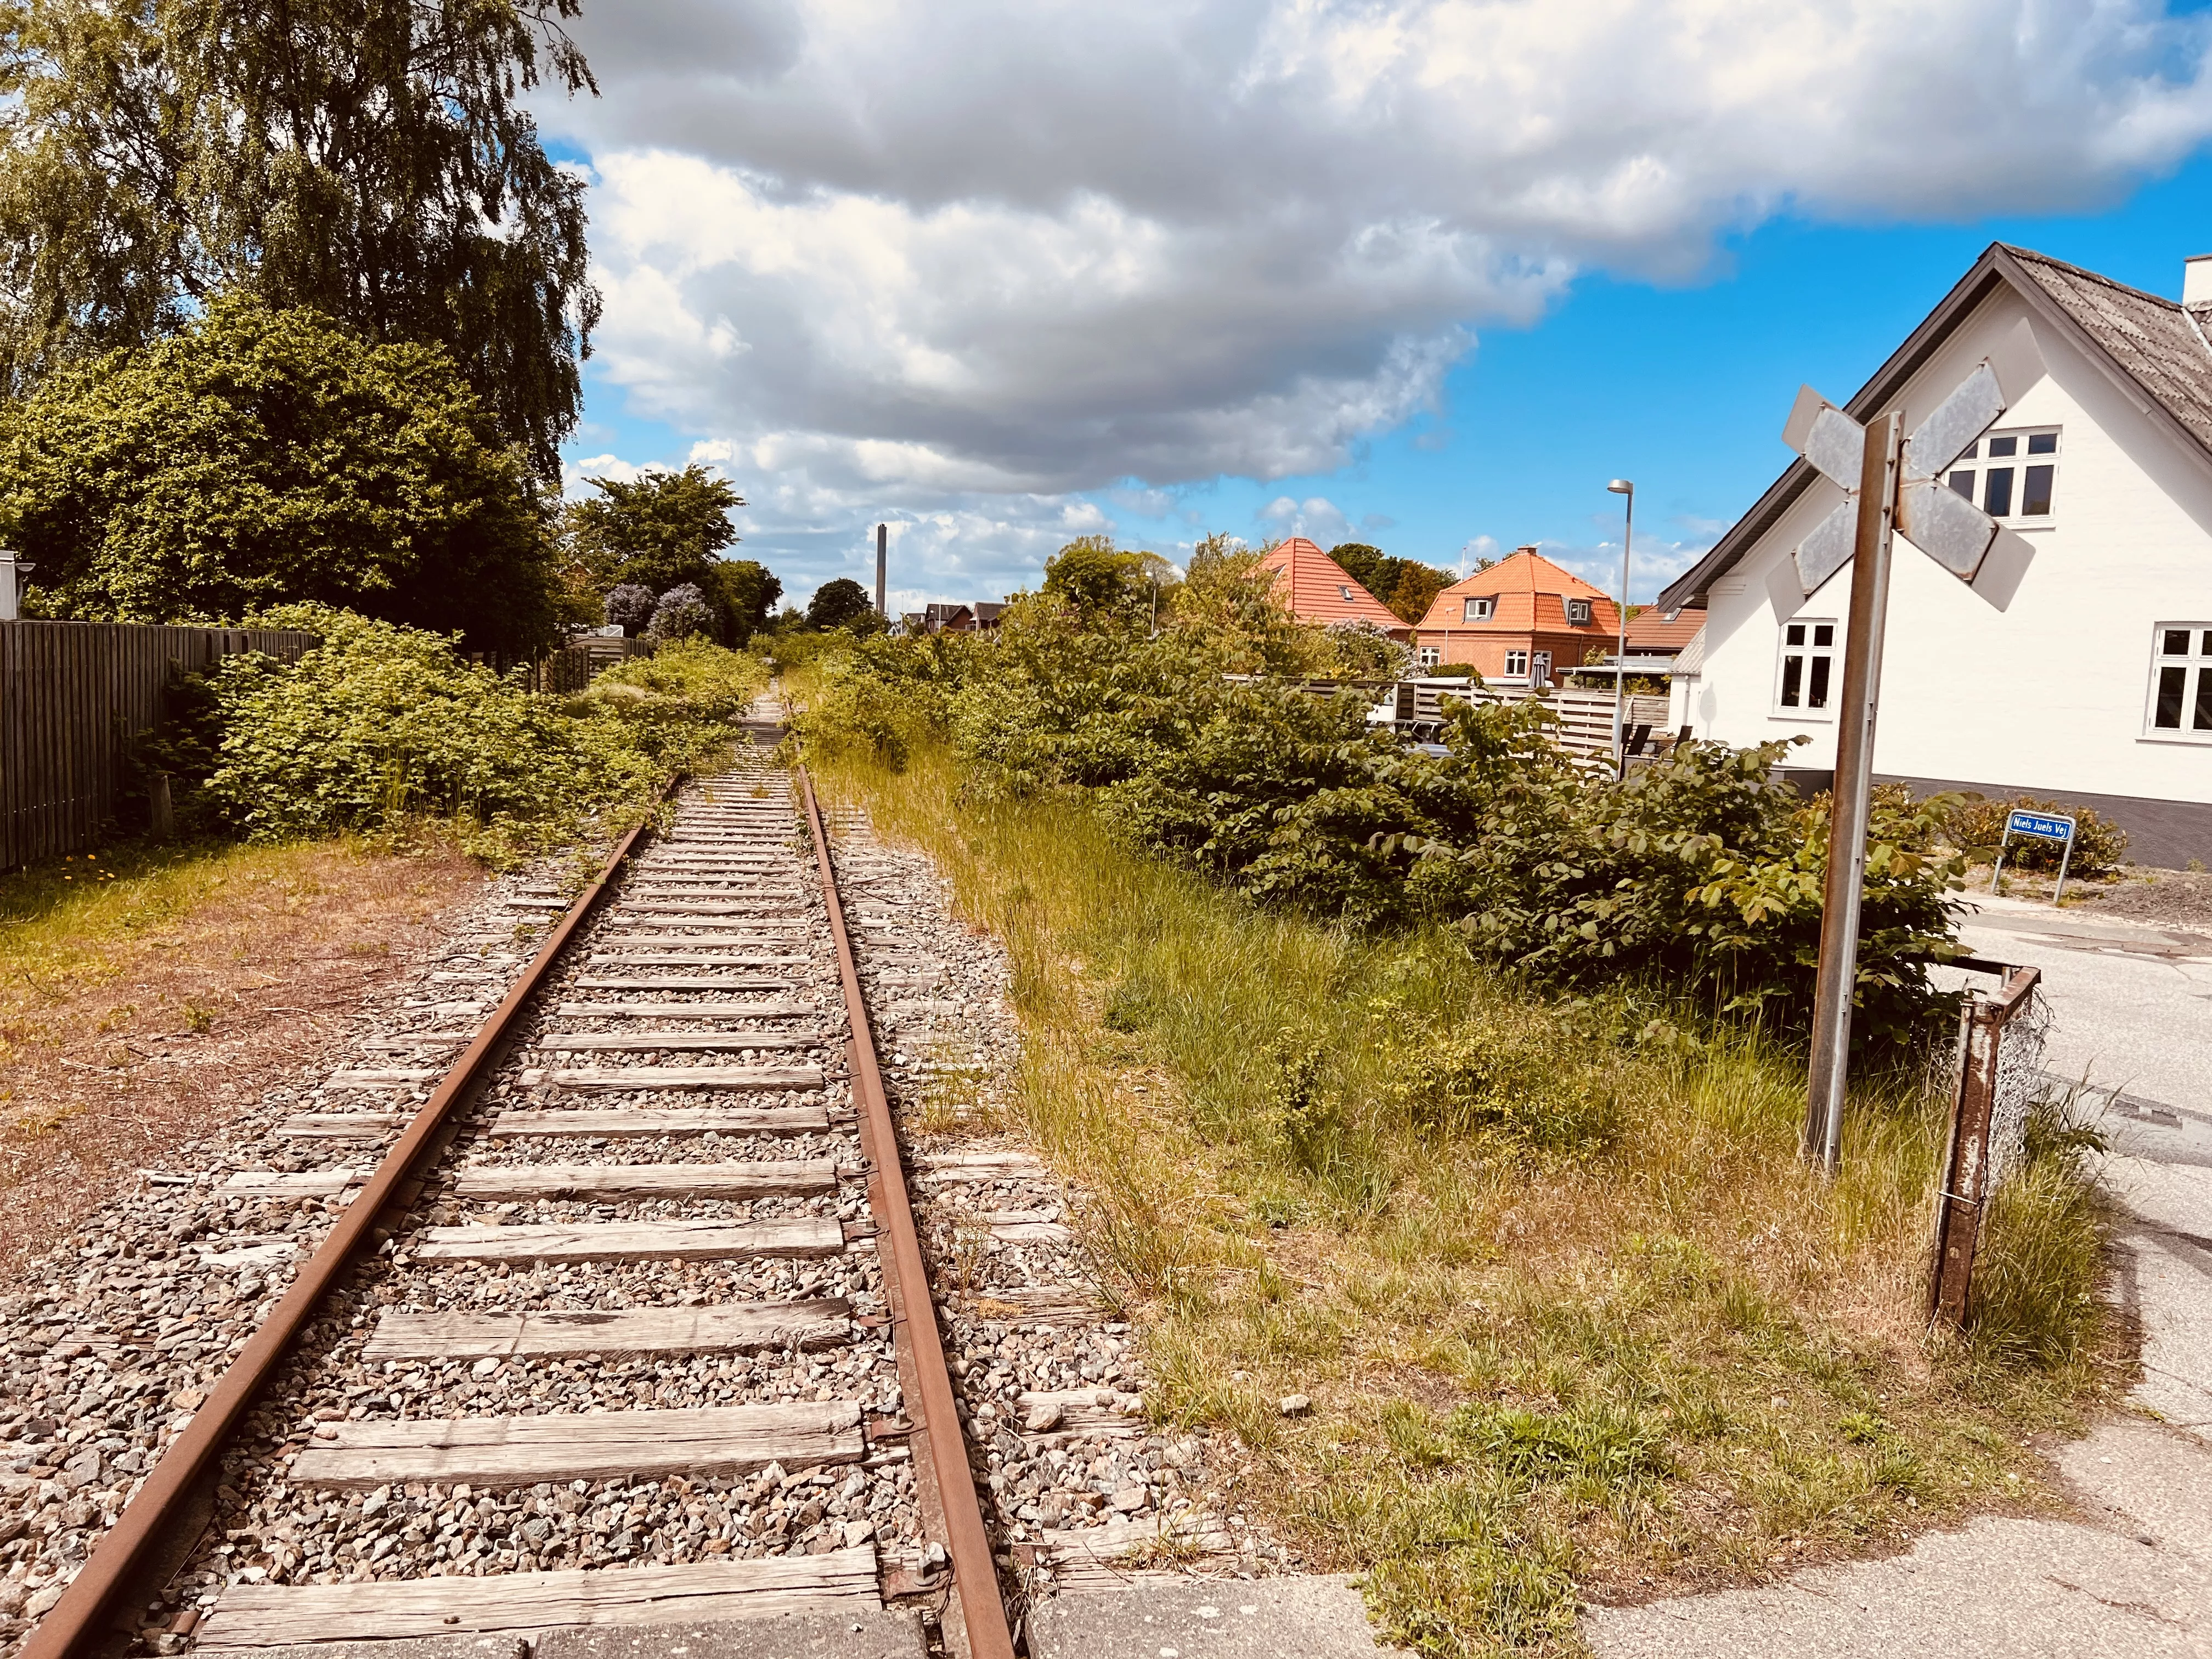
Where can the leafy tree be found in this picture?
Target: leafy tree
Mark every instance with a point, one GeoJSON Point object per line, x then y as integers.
{"type": "Point", "coordinates": [839, 603]}
{"type": "Point", "coordinates": [1099, 579]}
{"type": "Point", "coordinates": [1363, 563]}
{"type": "Point", "coordinates": [1416, 591]}
{"type": "Point", "coordinates": [261, 457]}
{"type": "Point", "coordinates": [664, 530]}
{"type": "Point", "coordinates": [1405, 587]}
{"type": "Point", "coordinates": [742, 594]}
{"type": "Point", "coordinates": [373, 159]}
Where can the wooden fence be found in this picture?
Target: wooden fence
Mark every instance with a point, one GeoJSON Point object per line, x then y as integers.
{"type": "Point", "coordinates": [1585, 718]}
{"type": "Point", "coordinates": [571, 667]}
{"type": "Point", "coordinates": [75, 698]}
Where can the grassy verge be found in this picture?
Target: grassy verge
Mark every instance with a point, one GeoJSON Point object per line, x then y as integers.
{"type": "Point", "coordinates": [1575, 1322]}
{"type": "Point", "coordinates": [147, 992]}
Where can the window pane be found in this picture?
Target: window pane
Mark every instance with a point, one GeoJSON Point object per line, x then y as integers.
{"type": "Point", "coordinates": [1997, 493]}
{"type": "Point", "coordinates": [1962, 482]}
{"type": "Point", "coordinates": [2043, 443]}
{"type": "Point", "coordinates": [1817, 698]}
{"type": "Point", "coordinates": [2202, 719]}
{"type": "Point", "coordinates": [1797, 634]}
{"type": "Point", "coordinates": [2208, 642]}
{"type": "Point", "coordinates": [2170, 682]}
{"type": "Point", "coordinates": [1824, 635]}
{"type": "Point", "coordinates": [1793, 676]}
{"type": "Point", "coordinates": [2177, 642]}
{"type": "Point", "coordinates": [2035, 490]}
{"type": "Point", "coordinates": [2004, 447]}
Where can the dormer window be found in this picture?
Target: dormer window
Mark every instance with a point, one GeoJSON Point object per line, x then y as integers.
{"type": "Point", "coordinates": [1477, 609]}
{"type": "Point", "coordinates": [1578, 613]}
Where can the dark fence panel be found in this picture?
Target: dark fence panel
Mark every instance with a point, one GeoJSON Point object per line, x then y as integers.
{"type": "Point", "coordinates": [75, 698]}
{"type": "Point", "coordinates": [569, 669]}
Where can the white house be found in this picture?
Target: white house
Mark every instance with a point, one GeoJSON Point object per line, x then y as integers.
{"type": "Point", "coordinates": [2078, 666]}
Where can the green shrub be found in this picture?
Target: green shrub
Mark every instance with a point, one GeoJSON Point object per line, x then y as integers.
{"type": "Point", "coordinates": [379, 723]}
{"type": "Point", "coordinates": [1515, 1083]}
{"type": "Point", "coordinates": [1977, 825]}
{"type": "Point", "coordinates": [1699, 872]}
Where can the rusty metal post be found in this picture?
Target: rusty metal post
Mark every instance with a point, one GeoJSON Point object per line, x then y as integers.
{"type": "Point", "coordinates": [1965, 1191]}
{"type": "Point", "coordinates": [1850, 796]}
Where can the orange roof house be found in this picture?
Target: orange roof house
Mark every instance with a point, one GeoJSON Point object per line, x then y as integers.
{"type": "Point", "coordinates": [1522, 622]}
{"type": "Point", "coordinates": [1650, 633]}
{"type": "Point", "coordinates": [1319, 590]}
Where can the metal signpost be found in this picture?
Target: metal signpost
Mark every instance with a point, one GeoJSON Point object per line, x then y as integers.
{"type": "Point", "coordinates": [2048, 826]}
{"type": "Point", "coordinates": [1891, 483]}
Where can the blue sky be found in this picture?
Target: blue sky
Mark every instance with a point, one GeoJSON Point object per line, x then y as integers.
{"type": "Point", "coordinates": [1349, 311]}
{"type": "Point", "coordinates": [1682, 388]}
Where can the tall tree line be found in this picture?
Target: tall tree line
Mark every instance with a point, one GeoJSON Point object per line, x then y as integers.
{"type": "Point", "coordinates": [368, 159]}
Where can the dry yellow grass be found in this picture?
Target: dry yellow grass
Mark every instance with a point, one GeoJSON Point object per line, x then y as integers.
{"type": "Point", "coordinates": [147, 993]}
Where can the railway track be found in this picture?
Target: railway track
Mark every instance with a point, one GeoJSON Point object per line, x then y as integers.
{"type": "Point", "coordinates": [628, 1324]}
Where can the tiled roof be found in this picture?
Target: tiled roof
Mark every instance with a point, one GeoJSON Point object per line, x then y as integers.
{"type": "Point", "coordinates": [1531, 593]}
{"type": "Point", "coordinates": [1318, 589]}
{"type": "Point", "coordinates": [1650, 633]}
{"type": "Point", "coordinates": [2156, 341]}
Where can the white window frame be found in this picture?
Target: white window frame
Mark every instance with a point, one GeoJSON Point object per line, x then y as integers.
{"type": "Point", "coordinates": [1580, 613]}
{"type": "Point", "coordinates": [1806, 649]}
{"type": "Point", "coordinates": [1479, 609]}
{"type": "Point", "coordinates": [1972, 470]}
{"type": "Point", "coordinates": [1540, 669]}
{"type": "Point", "coordinates": [1517, 665]}
{"type": "Point", "coordinates": [2195, 667]}
{"type": "Point", "coordinates": [1431, 656]}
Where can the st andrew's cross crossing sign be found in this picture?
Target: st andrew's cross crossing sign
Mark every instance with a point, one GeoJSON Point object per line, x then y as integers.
{"type": "Point", "coordinates": [1890, 483]}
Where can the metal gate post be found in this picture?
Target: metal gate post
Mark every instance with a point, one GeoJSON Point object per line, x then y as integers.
{"type": "Point", "coordinates": [1964, 1192]}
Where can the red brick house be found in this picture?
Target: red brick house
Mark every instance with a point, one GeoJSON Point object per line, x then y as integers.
{"type": "Point", "coordinates": [1522, 622]}
{"type": "Point", "coordinates": [1319, 591]}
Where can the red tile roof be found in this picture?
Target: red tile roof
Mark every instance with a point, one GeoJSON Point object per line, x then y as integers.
{"type": "Point", "coordinates": [1531, 593]}
{"type": "Point", "coordinates": [1650, 634]}
{"type": "Point", "coordinates": [1318, 589]}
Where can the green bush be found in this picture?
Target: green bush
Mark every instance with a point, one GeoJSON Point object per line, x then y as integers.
{"type": "Point", "coordinates": [1977, 825]}
{"type": "Point", "coordinates": [380, 724]}
{"type": "Point", "coordinates": [1699, 872]}
{"type": "Point", "coordinates": [259, 457]}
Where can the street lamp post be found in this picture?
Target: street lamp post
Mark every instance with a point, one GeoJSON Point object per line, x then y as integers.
{"type": "Point", "coordinates": [1622, 486]}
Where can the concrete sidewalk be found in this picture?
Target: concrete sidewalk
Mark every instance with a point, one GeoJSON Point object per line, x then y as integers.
{"type": "Point", "coordinates": [2132, 1013]}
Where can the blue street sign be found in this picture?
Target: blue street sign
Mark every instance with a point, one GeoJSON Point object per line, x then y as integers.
{"type": "Point", "coordinates": [2049, 825]}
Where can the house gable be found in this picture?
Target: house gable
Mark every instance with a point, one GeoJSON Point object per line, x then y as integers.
{"type": "Point", "coordinates": [1317, 589]}
{"type": "Point", "coordinates": [2036, 679]}
{"type": "Point", "coordinates": [2155, 351]}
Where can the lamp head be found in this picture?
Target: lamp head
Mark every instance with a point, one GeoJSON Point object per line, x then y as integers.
{"type": "Point", "coordinates": [1621, 486]}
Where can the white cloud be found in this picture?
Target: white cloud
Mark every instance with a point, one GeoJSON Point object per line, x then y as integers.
{"type": "Point", "coordinates": [963, 253]}
{"type": "Point", "coordinates": [1317, 518]}
{"type": "Point", "coordinates": [1654, 563]}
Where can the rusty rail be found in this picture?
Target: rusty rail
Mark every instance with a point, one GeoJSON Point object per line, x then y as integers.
{"type": "Point", "coordinates": [1965, 1191]}
{"type": "Point", "coordinates": [935, 1413]}
{"type": "Point", "coordinates": [73, 1622]}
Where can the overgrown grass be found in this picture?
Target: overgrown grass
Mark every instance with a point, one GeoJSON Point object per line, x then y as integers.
{"type": "Point", "coordinates": [1576, 1321]}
